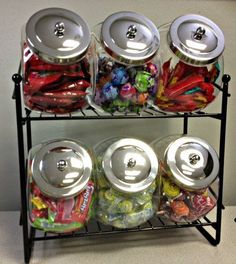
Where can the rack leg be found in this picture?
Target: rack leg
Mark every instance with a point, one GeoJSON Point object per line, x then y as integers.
{"type": "Point", "coordinates": [225, 79]}
{"type": "Point", "coordinates": [185, 127]}
{"type": "Point", "coordinates": [24, 218]}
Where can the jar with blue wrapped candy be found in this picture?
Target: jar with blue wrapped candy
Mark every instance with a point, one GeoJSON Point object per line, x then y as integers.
{"type": "Point", "coordinates": [126, 63]}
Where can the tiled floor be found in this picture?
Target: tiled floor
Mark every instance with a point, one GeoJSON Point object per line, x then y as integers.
{"type": "Point", "coordinates": [173, 246]}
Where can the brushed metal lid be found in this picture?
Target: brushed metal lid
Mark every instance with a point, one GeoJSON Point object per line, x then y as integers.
{"type": "Point", "coordinates": [130, 37]}
{"type": "Point", "coordinates": [193, 163]}
{"type": "Point", "coordinates": [61, 168]}
{"type": "Point", "coordinates": [196, 39]}
{"type": "Point", "coordinates": [58, 35]}
{"type": "Point", "coordinates": [130, 165]}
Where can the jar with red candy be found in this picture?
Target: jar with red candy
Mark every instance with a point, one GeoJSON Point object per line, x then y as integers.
{"type": "Point", "coordinates": [188, 183]}
{"type": "Point", "coordinates": [191, 56]}
{"type": "Point", "coordinates": [126, 63]}
{"type": "Point", "coordinates": [56, 62]}
{"type": "Point", "coordinates": [60, 185]}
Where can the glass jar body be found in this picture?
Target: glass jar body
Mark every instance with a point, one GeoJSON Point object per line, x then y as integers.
{"type": "Point", "coordinates": [117, 208]}
{"type": "Point", "coordinates": [55, 214]}
{"type": "Point", "coordinates": [120, 85]}
{"type": "Point", "coordinates": [174, 200]}
{"type": "Point", "coordinates": [185, 87]}
{"type": "Point", "coordinates": [55, 88]}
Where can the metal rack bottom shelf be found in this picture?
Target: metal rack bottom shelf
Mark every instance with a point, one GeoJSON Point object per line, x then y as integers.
{"type": "Point", "coordinates": [97, 229]}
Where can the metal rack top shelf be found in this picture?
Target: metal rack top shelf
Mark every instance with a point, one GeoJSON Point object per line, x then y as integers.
{"type": "Point", "coordinates": [92, 113]}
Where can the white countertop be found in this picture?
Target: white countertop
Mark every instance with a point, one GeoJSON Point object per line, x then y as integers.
{"type": "Point", "coordinates": [165, 246]}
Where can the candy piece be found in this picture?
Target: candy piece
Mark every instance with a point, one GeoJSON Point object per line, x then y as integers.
{"type": "Point", "coordinates": [119, 76]}
{"type": "Point", "coordinates": [64, 209]}
{"type": "Point", "coordinates": [109, 195]}
{"type": "Point", "coordinates": [120, 106]}
{"type": "Point", "coordinates": [36, 213]}
{"type": "Point", "coordinates": [202, 204]}
{"type": "Point", "coordinates": [207, 88]}
{"type": "Point", "coordinates": [35, 81]}
{"type": "Point", "coordinates": [166, 72]}
{"type": "Point", "coordinates": [179, 208]}
{"type": "Point", "coordinates": [143, 81]}
{"type": "Point", "coordinates": [142, 98]}
{"type": "Point", "coordinates": [109, 91]}
{"type": "Point", "coordinates": [196, 89]}
{"type": "Point", "coordinates": [105, 66]}
{"type": "Point", "coordinates": [127, 91]}
{"type": "Point", "coordinates": [214, 72]}
{"type": "Point", "coordinates": [170, 189]}
{"type": "Point", "coordinates": [125, 206]}
{"type": "Point", "coordinates": [178, 72]}
{"type": "Point", "coordinates": [38, 203]}
{"type": "Point", "coordinates": [183, 85]}
{"type": "Point", "coordinates": [47, 102]}
{"type": "Point", "coordinates": [80, 213]}
{"type": "Point", "coordinates": [152, 68]}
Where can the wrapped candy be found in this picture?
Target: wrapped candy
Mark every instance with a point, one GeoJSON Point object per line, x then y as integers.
{"type": "Point", "coordinates": [187, 188]}
{"type": "Point", "coordinates": [125, 62]}
{"type": "Point", "coordinates": [56, 74]}
{"type": "Point", "coordinates": [61, 189]}
{"type": "Point", "coordinates": [192, 47]}
{"type": "Point", "coordinates": [125, 172]}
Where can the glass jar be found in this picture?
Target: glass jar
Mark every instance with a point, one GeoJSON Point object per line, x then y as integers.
{"type": "Point", "coordinates": [126, 169]}
{"type": "Point", "coordinates": [60, 186]}
{"type": "Point", "coordinates": [56, 62]}
{"type": "Point", "coordinates": [188, 182]}
{"type": "Point", "coordinates": [126, 63]}
{"type": "Point", "coordinates": [191, 53]}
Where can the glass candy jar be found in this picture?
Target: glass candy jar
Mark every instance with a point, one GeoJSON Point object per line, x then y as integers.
{"type": "Point", "coordinates": [188, 182]}
{"type": "Point", "coordinates": [126, 169]}
{"type": "Point", "coordinates": [126, 63]}
{"type": "Point", "coordinates": [56, 61]}
{"type": "Point", "coordinates": [60, 186]}
{"type": "Point", "coordinates": [191, 49]}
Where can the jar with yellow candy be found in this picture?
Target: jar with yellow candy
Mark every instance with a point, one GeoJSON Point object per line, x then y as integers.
{"type": "Point", "coordinates": [188, 183]}
{"type": "Point", "coordinates": [126, 169]}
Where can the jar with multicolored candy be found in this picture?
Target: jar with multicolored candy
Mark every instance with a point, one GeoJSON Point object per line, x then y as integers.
{"type": "Point", "coordinates": [60, 186]}
{"type": "Point", "coordinates": [126, 169]}
{"type": "Point", "coordinates": [188, 183]}
{"type": "Point", "coordinates": [56, 62]}
{"type": "Point", "coordinates": [126, 63]}
{"type": "Point", "coordinates": [191, 53]}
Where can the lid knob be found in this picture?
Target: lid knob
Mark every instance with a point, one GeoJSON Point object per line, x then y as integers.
{"type": "Point", "coordinates": [131, 163]}
{"type": "Point", "coordinates": [61, 165]}
{"type": "Point", "coordinates": [199, 33]}
{"type": "Point", "coordinates": [59, 29]}
{"type": "Point", "coordinates": [194, 159]}
{"type": "Point", "coordinates": [132, 31]}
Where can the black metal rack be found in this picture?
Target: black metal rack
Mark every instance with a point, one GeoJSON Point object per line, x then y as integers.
{"type": "Point", "coordinates": [24, 119]}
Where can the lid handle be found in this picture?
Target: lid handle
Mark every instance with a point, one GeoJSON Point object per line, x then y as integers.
{"type": "Point", "coordinates": [131, 163]}
{"type": "Point", "coordinates": [61, 165]}
{"type": "Point", "coordinates": [194, 159]}
{"type": "Point", "coordinates": [59, 29]}
{"type": "Point", "coordinates": [199, 33]}
{"type": "Point", "coordinates": [132, 31]}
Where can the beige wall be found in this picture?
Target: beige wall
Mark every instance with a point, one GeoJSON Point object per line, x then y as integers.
{"type": "Point", "coordinates": [13, 14]}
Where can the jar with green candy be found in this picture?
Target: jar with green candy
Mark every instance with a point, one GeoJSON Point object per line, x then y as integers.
{"type": "Point", "coordinates": [126, 169]}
